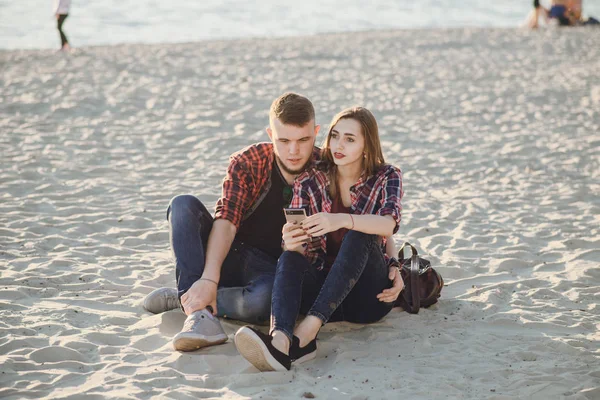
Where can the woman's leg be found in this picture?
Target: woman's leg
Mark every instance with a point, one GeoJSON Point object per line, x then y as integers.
{"type": "Point", "coordinates": [287, 297]}
{"type": "Point", "coordinates": [362, 305]}
{"type": "Point", "coordinates": [272, 352]}
{"type": "Point", "coordinates": [63, 37]}
{"type": "Point", "coordinates": [357, 276]}
{"type": "Point", "coordinates": [344, 274]}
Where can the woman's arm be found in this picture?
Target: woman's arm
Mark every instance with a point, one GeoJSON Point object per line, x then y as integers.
{"type": "Point", "coordinates": [384, 222]}
{"type": "Point", "coordinates": [390, 247]}
{"type": "Point", "coordinates": [323, 223]}
{"type": "Point", "coordinates": [371, 224]}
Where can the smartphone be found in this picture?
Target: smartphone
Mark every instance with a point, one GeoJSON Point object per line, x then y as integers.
{"type": "Point", "coordinates": [294, 214]}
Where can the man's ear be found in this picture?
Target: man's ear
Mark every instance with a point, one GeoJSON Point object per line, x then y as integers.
{"type": "Point", "coordinates": [317, 128]}
{"type": "Point", "coordinates": [270, 133]}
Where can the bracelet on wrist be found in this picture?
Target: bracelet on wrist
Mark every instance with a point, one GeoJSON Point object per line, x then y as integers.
{"type": "Point", "coordinates": [210, 280]}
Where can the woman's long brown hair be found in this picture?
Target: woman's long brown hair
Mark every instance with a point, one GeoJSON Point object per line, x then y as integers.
{"type": "Point", "coordinates": [373, 159]}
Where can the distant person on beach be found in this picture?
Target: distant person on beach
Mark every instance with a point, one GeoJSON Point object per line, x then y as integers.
{"type": "Point", "coordinates": [561, 13]}
{"type": "Point", "coordinates": [61, 11]}
{"type": "Point", "coordinates": [225, 265]}
{"type": "Point", "coordinates": [335, 266]}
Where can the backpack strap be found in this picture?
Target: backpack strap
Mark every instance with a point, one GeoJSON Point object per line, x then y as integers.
{"type": "Point", "coordinates": [414, 284]}
{"type": "Point", "coordinates": [401, 251]}
{"type": "Point", "coordinates": [415, 304]}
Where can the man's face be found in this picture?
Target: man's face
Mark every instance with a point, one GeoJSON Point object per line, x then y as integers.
{"type": "Point", "coordinates": [293, 145]}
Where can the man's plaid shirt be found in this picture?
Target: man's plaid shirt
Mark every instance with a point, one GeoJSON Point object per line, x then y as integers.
{"type": "Point", "coordinates": [380, 194]}
{"type": "Point", "coordinates": [247, 182]}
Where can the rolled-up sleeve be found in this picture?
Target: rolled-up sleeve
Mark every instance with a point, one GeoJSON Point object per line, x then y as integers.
{"type": "Point", "coordinates": [235, 198]}
{"type": "Point", "coordinates": [391, 199]}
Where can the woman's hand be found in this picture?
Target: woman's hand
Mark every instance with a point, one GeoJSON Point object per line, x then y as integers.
{"type": "Point", "coordinates": [391, 294]}
{"type": "Point", "coordinates": [323, 223]}
{"type": "Point", "coordinates": [294, 237]}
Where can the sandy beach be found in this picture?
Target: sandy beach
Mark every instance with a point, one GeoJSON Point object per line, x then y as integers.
{"type": "Point", "coordinates": [497, 132]}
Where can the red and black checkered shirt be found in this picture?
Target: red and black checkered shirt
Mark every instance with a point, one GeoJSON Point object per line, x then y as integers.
{"type": "Point", "coordinates": [248, 172]}
{"type": "Point", "coordinates": [380, 194]}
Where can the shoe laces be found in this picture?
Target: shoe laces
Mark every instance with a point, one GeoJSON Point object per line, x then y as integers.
{"type": "Point", "coordinates": [172, 302]}
{"type": "Point", "coordinates": [192, 323]}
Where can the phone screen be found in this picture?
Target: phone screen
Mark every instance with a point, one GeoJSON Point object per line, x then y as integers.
{"type": "Point", "coordinates": [294, 214]}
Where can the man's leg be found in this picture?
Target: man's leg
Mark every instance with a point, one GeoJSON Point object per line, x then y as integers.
{"type": "Point", "coordinates": [190, 224]}
{"type": "Point", "coordinates": [247, 274]}
{"type": "Point", "coordinates": [189, 227]}
{"type": "Point", "coordinates": [246, 285]}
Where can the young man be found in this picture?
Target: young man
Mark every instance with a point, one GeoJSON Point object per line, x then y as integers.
{"type": "Point", "coordinates": [225, 266]}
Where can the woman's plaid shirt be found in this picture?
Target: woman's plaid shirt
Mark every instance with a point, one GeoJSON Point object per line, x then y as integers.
{"type": "Point", "coordinates": [380, 194]}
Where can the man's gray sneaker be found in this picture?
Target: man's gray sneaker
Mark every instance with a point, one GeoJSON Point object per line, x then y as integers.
{"type": "Point", "coordinates": [200, 329]}
{"type": "Point", "coordinates": [161, 300]}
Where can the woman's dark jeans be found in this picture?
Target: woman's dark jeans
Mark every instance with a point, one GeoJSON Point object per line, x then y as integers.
{"type": "Point", "coordinates": [347, 293]}
{"type": "Point", "coordinates": [247, 274]}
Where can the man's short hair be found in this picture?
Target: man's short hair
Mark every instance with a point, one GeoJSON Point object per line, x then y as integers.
{"type": "Point", "coordinates": [292, 109]}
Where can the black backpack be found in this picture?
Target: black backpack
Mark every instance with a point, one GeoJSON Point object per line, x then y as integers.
{"type": "Point", "coordinates": [422, 284]}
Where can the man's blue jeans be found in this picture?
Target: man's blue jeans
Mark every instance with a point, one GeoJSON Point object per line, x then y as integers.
{"type": "Point", "coordinates": [247, 273]}
{"type": "Point", "coordinates": [347, 293]}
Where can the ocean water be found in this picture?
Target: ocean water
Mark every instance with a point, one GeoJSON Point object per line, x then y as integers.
{"type": "Point", "coordinates": [30, 23]}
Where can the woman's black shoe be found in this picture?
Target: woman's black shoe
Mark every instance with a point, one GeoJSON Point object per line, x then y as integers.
{"type": "Point", "coordinates": [302, 354]}
{"type": "Point", "coordinates": [256, 347]}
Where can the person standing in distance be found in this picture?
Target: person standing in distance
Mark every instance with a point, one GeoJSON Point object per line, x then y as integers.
{"type": "Point", "coordinates": [61, 11]}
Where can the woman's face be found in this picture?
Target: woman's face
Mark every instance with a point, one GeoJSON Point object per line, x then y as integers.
{"type": "Point", "coordinates": [347, 143]}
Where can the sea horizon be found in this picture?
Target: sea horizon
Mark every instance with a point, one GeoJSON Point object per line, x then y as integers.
{"type": "Point", "coordinates": [29, 24]}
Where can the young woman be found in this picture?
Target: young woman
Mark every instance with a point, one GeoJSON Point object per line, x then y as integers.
{"type": "Point", "coordinates": [334, 267]}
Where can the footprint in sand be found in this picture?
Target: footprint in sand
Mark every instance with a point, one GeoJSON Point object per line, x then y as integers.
{"type": "Point", "coordinates": [171, 322]}
{"type": "Point", "coordinates": [56, 354]}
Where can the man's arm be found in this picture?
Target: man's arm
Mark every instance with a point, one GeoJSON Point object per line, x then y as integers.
{"type": "Point", "coordinates": [219, 242]}
{"type": "Point", "coordinates": [235, 199]}
{"type": "Point", "coordinates": [203, 292]}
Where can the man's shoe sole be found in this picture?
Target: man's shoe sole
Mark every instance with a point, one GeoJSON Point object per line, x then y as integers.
{"type": "Point", "coordinates": [187, 342]}
{"type": "Point", "coordinates": [252, 348]}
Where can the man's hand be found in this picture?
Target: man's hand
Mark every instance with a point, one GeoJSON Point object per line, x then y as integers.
{"type": "Point", "coordinates": [323, 223]}
{"type": "Point", "coordinates": [294, 237]}
{"type": "Point", "coordinates": [203, 293]}
{"type": "Point", "coordinates": [391, 294]}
